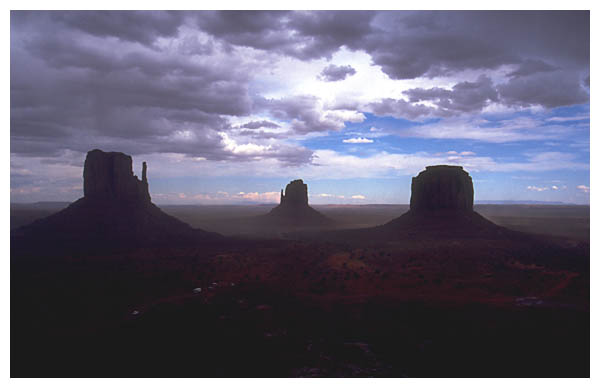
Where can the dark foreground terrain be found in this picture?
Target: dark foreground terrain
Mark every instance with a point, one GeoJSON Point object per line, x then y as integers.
{"type": "Point", "coordinates": [415, 307]}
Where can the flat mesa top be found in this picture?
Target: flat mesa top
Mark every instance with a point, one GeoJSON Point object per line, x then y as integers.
{"type": "Point", "coordinates": [441, 166]}
{"type": "Point", "coordinates": [97, 151]}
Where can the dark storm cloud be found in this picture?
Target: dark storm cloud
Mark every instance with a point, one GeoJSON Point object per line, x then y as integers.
{"type": "Point", "coordinates": [244, 28]}
{"type": "Point", "coordinates": [549, 89]}
{"type": "Point", "coordinates": [409, 45]}
{"type": "Point", "coordinates": [135, 26]}
{"type": "Point", "coordinates": [531, 66]}
{"type": "Point", "coordinates": [74, 88]}
{"type": "Point", "coordinates": [464, 96]}
{"type": "Point", "coordinates": [107, 79]}
{"type": "Point", "coordinates": [303, 113]}
{"type": "Point", "coordinates": [323, 32]}
{"type": "Point", "coordinates": [399, 108]}
{"type": "Point", "coordinates": [289, 155]}
{"type": "Point", "coordinates": [336, 73]}
{"type": "Point", "coordinates": [545, 88]}
{"type": "Point", "coordinates": [413, 44]}
{"type": "Point", "coordinates": [260, 124]}
{"type": "Point", "coordinates": [301, 34]}
{"type": "Point", "coordinates": [264, 135]}
{"type": "Point", "coordinates": [433, 55]}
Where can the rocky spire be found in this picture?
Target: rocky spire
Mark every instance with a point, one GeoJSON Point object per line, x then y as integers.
{"type": "Point", "coordinates": [144, 169]}
{"type": "Point", "coordinates": [442, 188]}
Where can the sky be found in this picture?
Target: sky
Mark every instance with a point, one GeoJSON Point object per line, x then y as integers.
{"type": "Point", "coordinates": [228, 107]}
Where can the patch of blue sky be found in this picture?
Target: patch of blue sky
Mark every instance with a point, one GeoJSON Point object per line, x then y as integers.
{"type": "Point", "coordinates": [390, 135]}
{"type": "Point", "coordinates": [213, 184]}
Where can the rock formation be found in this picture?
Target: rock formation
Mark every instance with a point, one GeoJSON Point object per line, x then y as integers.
{"type": "Point", "coordinates": [293, 209]}
{"type": "Point", "coordinates": [116, 210]}
{"type": "Point", "coordinates": [441, 204]}
{"type": "Point", "coordinates": [442, 188]}
{"type": "Point", "coordinates": [296, 194]}
{"type": "Point", "coordinates": [109, 176]}
{"type": "Point", "coordinates": [441, 207]}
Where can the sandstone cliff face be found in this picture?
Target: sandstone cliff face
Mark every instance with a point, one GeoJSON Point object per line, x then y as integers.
{"type": "Point", "coordinates": [109, 176]}
{"type": "Point", "coordinates": [442, 188]}
{"type": "Point", "coordinates": [296, 194]}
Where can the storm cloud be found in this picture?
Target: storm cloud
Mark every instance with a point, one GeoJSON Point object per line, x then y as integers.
{"type": "Point", "coordinates": [434, 43]}
{"type": "Point", "coordinates": [463, 97]}
{"type": "Point", "coordinates": [246, 86]}
{"type": "Point", "coordinates": [301, 34]}
{"type": "Point", "coordinates": [548, 89]}
{"type": "Point", "coordinates": [306, 115]}
{"type": "Point", "coordinates": [71, 89]}
{"type": "Point", "coordinates": [336, 73]}
{"type": "Point", "coordinates": [260, 124]}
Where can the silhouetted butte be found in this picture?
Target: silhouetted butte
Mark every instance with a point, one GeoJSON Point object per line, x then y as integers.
{"type": "Point", "coordinates": [294, 210]}
{"type": "Point", "coordinates": [441, 204]}
{"type": "Point", "coordinates": [116, 210]}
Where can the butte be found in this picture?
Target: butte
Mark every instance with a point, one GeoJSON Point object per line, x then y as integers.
{"type": "Point", "coordinates": [294, 211]}
{"type": "Point", "coordinates": [116, 211]}
{"type": "Point", "coordinates": [441, 207]}
{"type": "Point", "coordinates": [441, 204]}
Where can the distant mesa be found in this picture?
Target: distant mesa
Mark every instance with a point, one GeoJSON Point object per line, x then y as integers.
{"type": "Point", "coordinates": [294, 210]}
{"type": "Point", "coordinates": [441, 206]}
{"type": "Point", "coordinates": [116, 210]}
{"type": "Point", "coordinates": [296, 194]}
{"type": "Point", "coordinates": [442, 189]}
{"type": "Point", "coordinates": [441, 203]}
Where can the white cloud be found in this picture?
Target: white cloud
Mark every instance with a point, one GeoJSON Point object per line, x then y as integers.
{"type": "Point", "coordinates": [271, 196]}
{"type": "Point", "coordinates": [572, 118]}
{"type": "Point", "coordinates": [202, 197]}
{"type": "Point", "coordinates": [358, 140]}
{"type": "Point", "coordinates": [248, 148]}
{"type": "Point", "coordinates": [345, 115]}
{"type": "Point", "coordinates": [330, 164]}
{"type": "Point", "coordinates": [584, 188]}
{"type": "Point", "coordinates": [554, 187]}
{"type": "Point", "coordinates": [25, 190]}
{"type": "Point", "coordinates": [510, 130]}
{"type": "Point", "coordinates": [535, 188]}
{"type": "Point", "coordinates": [219, 197]}
{"type": "Point", "coordinates": [289, 76]}
{"type": "Point", "coordinates": [326, 164]}
{"type": "Point", "coordinates": [358, 196]}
